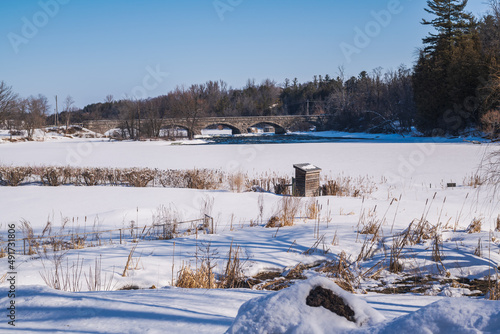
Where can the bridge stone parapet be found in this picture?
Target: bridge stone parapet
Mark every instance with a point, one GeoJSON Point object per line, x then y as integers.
{"type": "Point", "coordinates": [239, 125]}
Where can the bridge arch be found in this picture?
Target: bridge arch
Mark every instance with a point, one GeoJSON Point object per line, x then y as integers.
{"type": "Point", "coordinates": [278, 129]}
{"type": "Point", "coordinates": [304, 125]}
{"type": "Point", "coordinates": [234, 129]}
{"type": "Point", "coordinates": [171, 130]}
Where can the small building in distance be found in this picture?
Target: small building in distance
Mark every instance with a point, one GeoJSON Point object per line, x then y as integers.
{"type": "Point", "coordinates": [306, 180]}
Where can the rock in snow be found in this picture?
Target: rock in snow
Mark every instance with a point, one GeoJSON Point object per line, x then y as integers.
{"type": "Point", "coordinates": [286, 311]}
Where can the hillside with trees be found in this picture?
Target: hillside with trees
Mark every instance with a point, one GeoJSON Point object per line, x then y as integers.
{"type": "Point", "coordinates": [453, 87]}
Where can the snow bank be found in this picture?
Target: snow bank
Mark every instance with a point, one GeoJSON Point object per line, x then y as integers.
{"type": "Point", "coordinates": [450, 315]}
{"type": "Point", "coordinates": [169, 310]}
{"type": "Point", "coordinates": [286, 311]}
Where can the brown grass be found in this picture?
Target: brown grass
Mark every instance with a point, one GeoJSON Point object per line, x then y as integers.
{"type": "Point", "coordinates": [339, 271]}
{"type": "Point", "coordinates": [418, 231]}
{"type": "Point", "coordinates": [287, 210]}
{"type": "Point", "coordinates": [14, 176]}
{"type": "Point", "coordinates": [193, 179]}
{"type": "Point", "coordinates": [129, 260]}
{"type": "Point", "coordinates": [479, 249]}
{"type": "Point", "coordinates": [494, 290]}
{"type": "Point", "coordinates": [237, 182]}
{"type": "Point", "coordinates": [200, 278]}
{"type": "Point", "coordinates": [62, 277]}
{"type": "Point", "coordinates": [347, 186]}
{"type": "Point", "coordinates": [474, 180]}
{"type": "Point", "coordinates": [28, 235]}
{"type": "Point", "coordinates": [370, 224]}
{"type": "Point", "coordinates": [313, 209]}
{"type": "Point", "coordinates": [475, 226]}
{"type": "Point", "coordinates": [233, 273]}
{"type": "Point", "coordinates": [274, 221]}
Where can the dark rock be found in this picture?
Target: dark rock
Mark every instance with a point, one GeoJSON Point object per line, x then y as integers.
{"type": "Point", "coordinates": [323, 297]}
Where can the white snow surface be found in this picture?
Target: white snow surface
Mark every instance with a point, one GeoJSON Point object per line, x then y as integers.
{"type": "Point", "coordinates": [410, 182]}
{"type": "Point", "coordinates": [286, 311]}
{"type": "Point", "coordinates": [450, 315]}
{"type": "Point", "coordinates": [398, 162]}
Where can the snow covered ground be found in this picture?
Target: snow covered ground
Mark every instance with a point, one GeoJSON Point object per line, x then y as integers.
{"type": "Point", "coordinates": [410, 183]}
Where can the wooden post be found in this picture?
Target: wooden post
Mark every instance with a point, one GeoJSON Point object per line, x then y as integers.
{"type": "Point", "coordinates": [120, 236]}
{"type": "Point", "coordinates": [24, 246]}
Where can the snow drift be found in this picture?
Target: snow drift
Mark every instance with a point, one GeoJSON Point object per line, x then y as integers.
{"type": "Point", "coordinates": [286, 311]}
{"type": "Point", "coordinates": [450, 315]}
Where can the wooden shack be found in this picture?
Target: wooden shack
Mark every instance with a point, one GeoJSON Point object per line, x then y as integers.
{"type": "Point", "coordinates": [306, 180]}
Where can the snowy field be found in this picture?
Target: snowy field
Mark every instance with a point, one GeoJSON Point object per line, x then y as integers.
{"type": "Point", "coordinates": [408, 183]}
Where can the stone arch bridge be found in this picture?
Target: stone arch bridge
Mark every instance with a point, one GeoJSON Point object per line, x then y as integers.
{"type": "Point", "coordinates": [238, 125]}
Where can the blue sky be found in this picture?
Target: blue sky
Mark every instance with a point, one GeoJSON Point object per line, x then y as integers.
{"type": "Point", "coordinates": [89, 49]}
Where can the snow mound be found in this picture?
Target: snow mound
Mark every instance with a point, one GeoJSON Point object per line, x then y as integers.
{"type": "Point", "coordinates": [287, 311]}
{"type": "Point", "coordinates": [450, 315]}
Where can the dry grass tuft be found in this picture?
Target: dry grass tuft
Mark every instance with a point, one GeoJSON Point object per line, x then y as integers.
{"type": "Point", "coordinates": [200, 278]}
{"type": "Point", "coordinates": [313, 209]}
{"type": "Point", "coordinates": [475, 226]}
{"type": "Point", "coordinates": [474, 180]}
{"type": "Point", "coordinates": [29, 235]}
{"type": "Point", "coordinates": [96, 280]}
{"type": "Point", "coordinates": [273, 222]}
{"type": "Point", "coordinates": [479, 249]}
{"type": "Point", "coordinates": [233, 274]}
{"type": "Point", "coordinates": [62, 276]}
{"type": "Point", "coordinates": [437, 255]}
{"type": "Point", "coordinates": [494, 290]}
{"type": "Point", "coordinates": [237, 182]}
{"type": "Point", "coordinates": [370, 223]}
{"type": "Point", "coordinates": [418, 231]}
{"type": "Point", "coordinates": [395, 263]}
{"type": "Point", "coordinates": [287, 209]}
{"type": "Point", "coordinates": [340, 271]}
{"type": "Point", "coordinates": [347, 186]}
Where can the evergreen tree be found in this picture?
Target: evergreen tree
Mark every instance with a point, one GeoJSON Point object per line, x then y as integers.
{"type": "Point", "coordinates": [448, 70]}
{"type": "Point", "coordinates": [451, 22]}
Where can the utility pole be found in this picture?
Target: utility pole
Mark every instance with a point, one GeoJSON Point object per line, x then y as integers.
{"type": "Point", "coordinates": [57, 114]}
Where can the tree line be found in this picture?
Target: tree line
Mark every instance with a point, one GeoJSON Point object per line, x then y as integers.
{"type": "Point", "coordinates": [456, 79]}
{"type": "Point", "coordinates": [453, 87]}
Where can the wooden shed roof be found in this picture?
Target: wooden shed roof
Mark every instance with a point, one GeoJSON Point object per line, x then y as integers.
{"type": "Point", "coordinates": [308, 168]}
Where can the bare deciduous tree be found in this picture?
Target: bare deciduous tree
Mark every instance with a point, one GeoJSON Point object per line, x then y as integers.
{"type": "Point", "coordinates": [109, 98]}
{"type": "Point", "coordinates": [68, 108]}
{"type": "Point", "coordinates": [7, 101]}
{"type": "Point", "coordinates": [189, 104]}
{"type": "Point", "coordinates": [153, 119]}
{"type": "Point", "coordinates": [129, 118]}
{"type": "Point", "coordinates": [35, 113]}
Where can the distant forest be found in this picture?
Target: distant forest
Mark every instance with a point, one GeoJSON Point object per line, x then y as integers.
{"type": "Point", "coordinates": [453, 87]}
